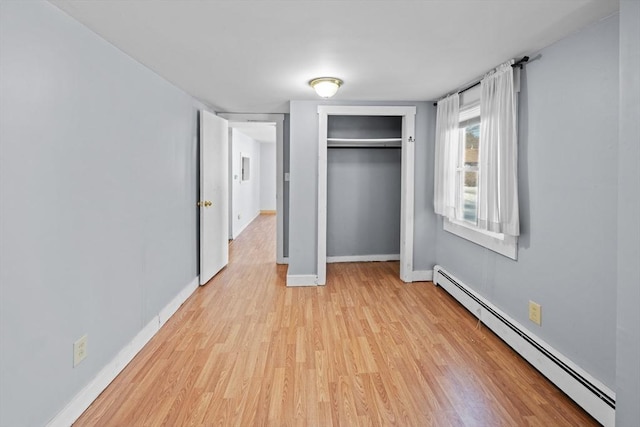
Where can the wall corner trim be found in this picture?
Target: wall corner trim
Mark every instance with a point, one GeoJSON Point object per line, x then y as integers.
{"type": "Point", "coordinates": [81, 401]}
{"type": "Point", "coordinates": [302, 280]}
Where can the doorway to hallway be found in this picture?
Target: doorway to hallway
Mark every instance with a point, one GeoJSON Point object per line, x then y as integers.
{"type": "Point", "coordinates": [256, 121]}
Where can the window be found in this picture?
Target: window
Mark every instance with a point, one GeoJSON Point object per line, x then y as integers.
{"type": "Point", "coordinates": [476, 162]}
{"type": "Point", "coordinates": [467, 168]}
{"type": "Point", "coordinates": [467, 173]}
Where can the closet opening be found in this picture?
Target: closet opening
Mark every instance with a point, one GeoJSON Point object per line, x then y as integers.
{"type": "Point", "coordinates": [364, 155]}
{"type": "Point", "coordinates": [365, 186]}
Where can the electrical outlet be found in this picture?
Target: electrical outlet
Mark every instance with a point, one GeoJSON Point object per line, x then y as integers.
{"type": "Point", "coordinates": [535, 313]}
{"type": "Point", "coordinates": [79, 350]}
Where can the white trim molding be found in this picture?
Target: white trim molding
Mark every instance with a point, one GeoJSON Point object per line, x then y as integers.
{"type": "Point", "coordinates": [593, 396]}
{"type": "Point", "coordinates": [81, 401]}
{"type": "Point", "coordinates": [500, 243]}
{"type": "Point", "coordinates": [294, 280]}
{"type": "Point", "coordinates": [408, 114]}
{"type": "Point", "coordinates": [363, 258]}
{"type": "Point", "coordinates": [235, 236]}
{"type": "Point", "coordinates": [422, 276]}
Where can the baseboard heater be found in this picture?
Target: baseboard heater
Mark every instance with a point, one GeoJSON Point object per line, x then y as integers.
{"type": "Point", "coordinates": [593, 396]}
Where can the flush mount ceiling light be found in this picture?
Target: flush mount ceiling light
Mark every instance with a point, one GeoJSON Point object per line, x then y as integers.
{"type": "Point", "coordinates": [326, 87]}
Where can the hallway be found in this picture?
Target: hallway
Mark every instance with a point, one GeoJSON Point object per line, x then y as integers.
{"type": "Point", "coordinates": [367, 349]}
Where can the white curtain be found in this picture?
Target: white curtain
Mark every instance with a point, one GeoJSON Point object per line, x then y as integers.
{"type": "Point", "coordinates": [498, 157]}
{"type": "Point", "coordinates": [447, 141]}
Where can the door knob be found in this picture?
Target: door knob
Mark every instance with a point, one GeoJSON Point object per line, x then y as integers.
{"type": "Point", "coordinates": [208, 203]}
{"type": "Point", "coordinates": [200, 204]}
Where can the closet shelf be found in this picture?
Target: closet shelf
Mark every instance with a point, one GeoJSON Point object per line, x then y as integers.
{"type": "Point", "coordinates": [364, 142]}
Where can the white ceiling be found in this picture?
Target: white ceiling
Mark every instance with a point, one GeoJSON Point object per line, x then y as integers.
{"type": "Point", "coordinates": [255, 56]}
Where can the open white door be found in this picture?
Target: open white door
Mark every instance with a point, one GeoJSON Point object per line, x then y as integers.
{"type": "Point", "coordinates": [214, 195]}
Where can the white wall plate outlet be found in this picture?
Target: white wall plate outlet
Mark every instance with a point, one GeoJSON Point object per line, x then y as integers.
{"type": "Point", "coordinates": [79, 350]}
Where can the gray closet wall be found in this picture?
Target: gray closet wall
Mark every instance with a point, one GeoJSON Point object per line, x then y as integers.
{"type": "Point", "coordinates": [363, 187]}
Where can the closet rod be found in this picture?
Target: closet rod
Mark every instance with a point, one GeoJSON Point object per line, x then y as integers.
{"type": "Point", "coordinates": [518, 63]}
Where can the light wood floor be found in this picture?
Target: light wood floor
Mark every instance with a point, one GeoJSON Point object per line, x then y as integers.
{"type": "Point", "coordinates": [366, 349]}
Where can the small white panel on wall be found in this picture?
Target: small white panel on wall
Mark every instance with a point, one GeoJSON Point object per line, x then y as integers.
{"type": "Point", "coordinates": [245, 166]}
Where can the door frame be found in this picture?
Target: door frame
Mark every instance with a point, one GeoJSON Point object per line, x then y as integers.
{"type": "Point", "coordinates": [278, 119]}
{"type": "Point", "coordinates": [408, 114]}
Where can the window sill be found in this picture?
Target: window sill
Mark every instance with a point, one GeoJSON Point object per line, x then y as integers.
{"type": "Point", "coordinates": [500, 243]}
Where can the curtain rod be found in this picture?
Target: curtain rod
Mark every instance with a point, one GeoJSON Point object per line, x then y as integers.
{"type": "Point", "coordinates": [519, 63]}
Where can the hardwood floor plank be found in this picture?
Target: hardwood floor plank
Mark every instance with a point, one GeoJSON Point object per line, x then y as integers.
{"type": "Point", "coordinates": [364, 350]}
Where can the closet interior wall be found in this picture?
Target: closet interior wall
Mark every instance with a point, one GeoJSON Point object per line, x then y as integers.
{"type": "Point", "coordinates": [363, 187]}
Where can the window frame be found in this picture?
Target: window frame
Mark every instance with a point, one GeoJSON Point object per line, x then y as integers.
{"type": "Point", "coordinates": [498, 242]}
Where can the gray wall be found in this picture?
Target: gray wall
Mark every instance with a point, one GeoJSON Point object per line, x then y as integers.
{"type": "Point", "coordinates": [363, 201]}
{"type": "Point", "coordinates": [568, 195]}
{"type": "Point", "coordinates": [98, 185]}
{"type": "Point", "coordinates": [304, 189]}
{"type": "Point", "coordinates": [267, 176]}
{"type": "Point", "coordinates": [628, 333]}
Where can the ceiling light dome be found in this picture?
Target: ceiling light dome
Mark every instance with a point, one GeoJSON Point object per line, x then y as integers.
{"type": "Point", "coordinates": [326, 87]}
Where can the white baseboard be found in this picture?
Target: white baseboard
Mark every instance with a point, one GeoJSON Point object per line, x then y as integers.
{"type": "Point", "coordinates": [422, 276]}
{"type": "Point", "coordinates": [593, 396]}
{"type": "Point", "coordinates": [363, 258]}
{"type": "Point", "coordinates": [173, 306]}
{"type": "Point", "coordinates": [236, 234]}
{"type": "Point", "coordinates": [91, 391]}
{"type": "Point", "coordinates": [283, 260]}
{"type": "Point", "coordinates": [302, 280]}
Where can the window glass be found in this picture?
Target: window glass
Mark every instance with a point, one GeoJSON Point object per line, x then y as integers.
{"type": "Point", "coordinates": [468, 168]}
